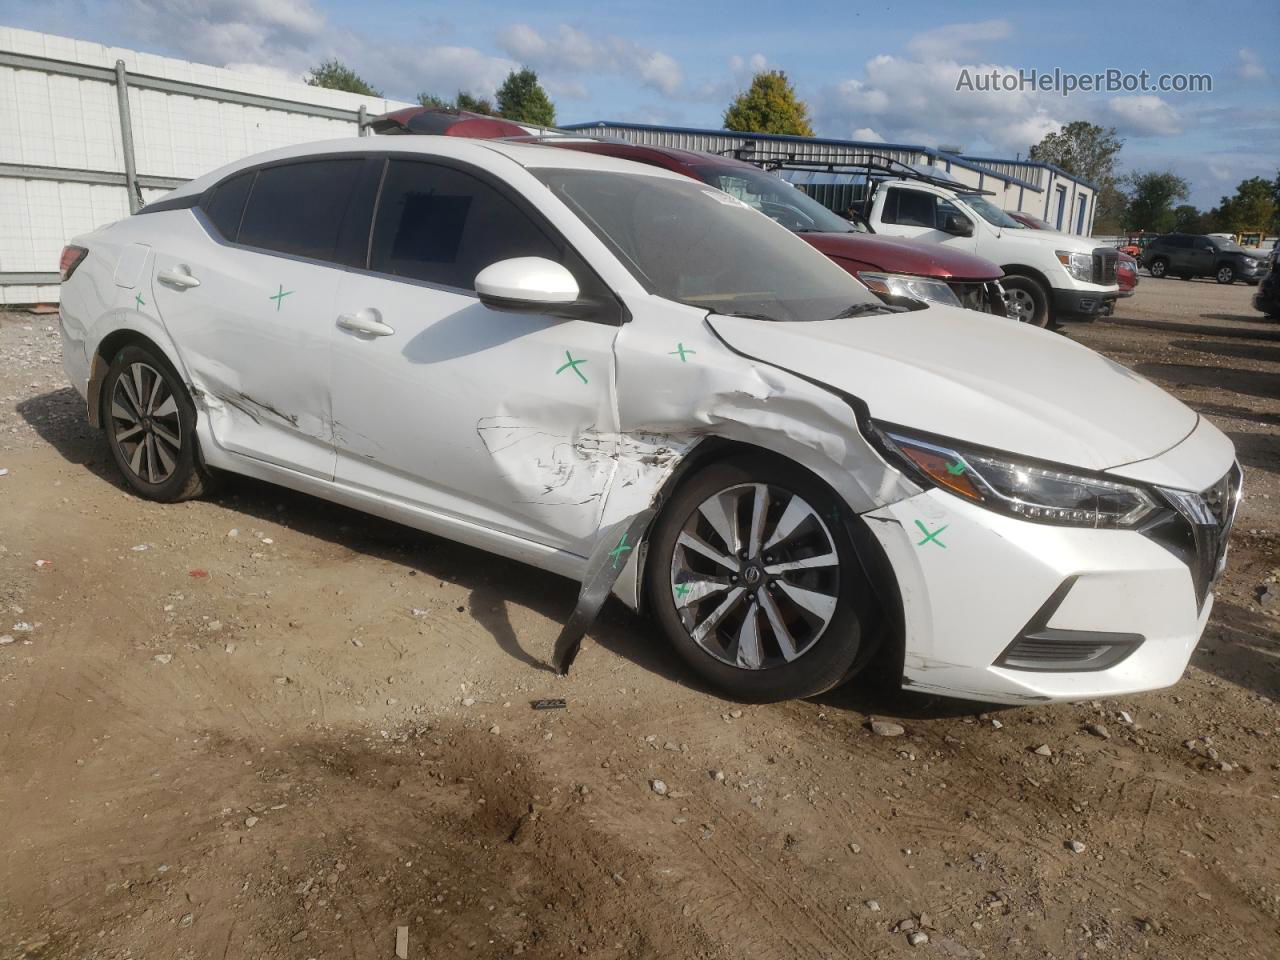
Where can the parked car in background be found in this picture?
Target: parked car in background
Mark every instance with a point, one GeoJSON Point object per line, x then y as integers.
{"type": "Point", "coordinates": [1033, 223]}
{"type": "Point", "coordinates": [623, 375]}
{"type": "Point", "coordinates": [1189, 255]}
{"type": "Point", "coordinates": [1126, 274]}
{"type": "Point", "coordinates": [1267, 296]}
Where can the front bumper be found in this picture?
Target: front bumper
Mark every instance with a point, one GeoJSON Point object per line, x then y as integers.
{"type": "Point", "coordinates": [990, 600]}
{"type": "Point", "coordinates": [1080, 304]}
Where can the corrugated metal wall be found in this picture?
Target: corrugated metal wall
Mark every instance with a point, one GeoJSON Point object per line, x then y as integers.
{"type": "Point", "coordinates": [63, 150]}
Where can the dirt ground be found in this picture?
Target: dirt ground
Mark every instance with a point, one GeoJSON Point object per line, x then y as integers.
{"type": "Point", "coordinates": [263, 726]}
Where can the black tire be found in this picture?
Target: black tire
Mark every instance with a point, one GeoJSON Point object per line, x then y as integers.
{"type": "Point", "coordinates": [148, 472]}
{"type": "Point", "coordinates": [840, 649]}
{"type": "Point", "coordinates": [1226, 274]}
{"type": "Point", "coordinates": [1025, 300]}
{"type": "Point", "coordinates": [1159, 267]}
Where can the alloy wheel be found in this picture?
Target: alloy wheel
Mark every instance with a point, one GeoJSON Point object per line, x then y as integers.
{"type": "Point", "coordinates": [1020, 305]}
{"type": "Point", "coordinates": [1226, 275]}
{"type": "Point", "coordinates": [145, 423]}
{"type": "Point", "coordinates": [755, 576]}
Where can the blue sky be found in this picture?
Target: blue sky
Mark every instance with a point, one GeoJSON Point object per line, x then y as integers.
{"type": "Point", "coordinates": [887, 71]}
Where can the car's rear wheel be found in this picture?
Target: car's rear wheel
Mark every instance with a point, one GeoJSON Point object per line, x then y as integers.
{"type": "Point", "coordinates": [1159, 267]}
{"type": "Point", "coordinates": [753, 576]}
{"type": "Point", "coordinates": [151, 426]}
{"type": "Point", "coordinates": [1226, 274]}
{"type": "Point", "coordinates": [1025, 301]}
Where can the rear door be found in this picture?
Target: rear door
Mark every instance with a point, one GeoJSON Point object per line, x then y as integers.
{"type": "Point", "coordinates": [442, 404]}
{"type": "Point", "coordinates": [247, 293]}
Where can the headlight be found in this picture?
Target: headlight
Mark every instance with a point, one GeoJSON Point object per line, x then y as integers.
{"type": "Point", "coordinates": [1079, 265]}
{"type": "Point", "coordinates": [894, 286]}
{"type": "Point", "coordinates": [1009, 484]}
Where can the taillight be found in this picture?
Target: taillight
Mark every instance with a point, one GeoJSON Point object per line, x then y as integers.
{"type": "Point", "coordinates": [71, 257]}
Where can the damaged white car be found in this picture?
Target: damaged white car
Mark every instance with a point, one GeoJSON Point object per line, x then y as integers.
{"type": "Point", "coordinates": [632, 379]}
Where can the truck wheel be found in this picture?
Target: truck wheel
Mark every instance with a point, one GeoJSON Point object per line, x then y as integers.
{"type": "Point", "coordinates": [1159, 267]}
{"type": "Point", "coordinates": [1025, 301]}
{"type": "Point", "coordinates": [757, 583]}
{"type": "Point", "coordinates": [1226, 274]}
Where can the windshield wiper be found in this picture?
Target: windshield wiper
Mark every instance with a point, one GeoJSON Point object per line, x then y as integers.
{"type": "Point", "coordinates": [862, 309]}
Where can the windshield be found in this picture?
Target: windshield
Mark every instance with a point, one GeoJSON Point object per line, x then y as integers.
{"type": "Point", "coordinates": [989, 212]}
{"type": "Point", "coordinates": [776, 199]}
{"type": "Point", "coordinates": [687, 242]}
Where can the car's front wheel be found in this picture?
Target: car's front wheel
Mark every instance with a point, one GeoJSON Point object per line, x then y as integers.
{"type": "Point", "coordinates": [753, 576]}
{"type": "Point", "coordinates": [1226, 274]}
{"type": "Point", "coordinates": [151, 426]}
{"type": "Point", "coordinates": [1025, 301]}
{"type": "Point", "coordinates": [1159, 267]}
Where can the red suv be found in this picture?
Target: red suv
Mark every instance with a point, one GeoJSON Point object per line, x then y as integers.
{"type": "Point", "coordinates": [894, 269]}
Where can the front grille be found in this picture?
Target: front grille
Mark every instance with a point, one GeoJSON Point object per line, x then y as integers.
{"type": "Point", "coordinates": [986, 297]}
{"type": "Point", "coordinates": [1104, 265]}
{"type": "Point", "coordinates": [1198, 531]}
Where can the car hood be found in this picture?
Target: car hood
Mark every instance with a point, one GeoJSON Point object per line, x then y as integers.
{"type": "Point", "coordinates": [982, 379]}
{"type": "Point", "coordinates": [1051, 239]}
{"type": "Point", "coordinates": [896, 255]}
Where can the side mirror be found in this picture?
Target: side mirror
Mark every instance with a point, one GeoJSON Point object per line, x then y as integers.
{"type": "Point", "coordinates": [958, 225]}
{"type": "Point", "coordinates": [527, 285]}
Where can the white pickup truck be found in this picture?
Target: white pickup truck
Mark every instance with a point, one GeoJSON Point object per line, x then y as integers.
{"type": "Point", "coordinates": [1049, 276]}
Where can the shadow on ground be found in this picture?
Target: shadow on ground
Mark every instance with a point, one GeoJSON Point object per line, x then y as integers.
{"type": "Point", "coordinates": [493, 582]}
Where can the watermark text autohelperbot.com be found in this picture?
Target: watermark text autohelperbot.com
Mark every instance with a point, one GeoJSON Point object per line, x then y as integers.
{"type": "Point", "coordinates": [1065, 83]}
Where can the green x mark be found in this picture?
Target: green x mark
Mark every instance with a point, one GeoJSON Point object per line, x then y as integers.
{"type": "Point", "coordinates": [279, 297]}
{"type": "Point", "coordinates": [618, 551]}
{"type": "Point", "coordinates": [139, 301]}
{"type": "Point", "coordinates": [573, 365]}
{"type": "Point", "coordinates": [931, 537]}
{"type": "Point", "coordinates": [957, 468]}
{"type": "Point", "coordinates": [682, 351]}
{"type": "Point", "coordinates": [682, 589]}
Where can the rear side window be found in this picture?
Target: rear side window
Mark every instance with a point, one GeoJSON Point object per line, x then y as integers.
{"type": "Point", "coordinates": [226, 206]}
{"type": "Point", "coordinates": [909, 208]}
{"type": "Point", "coordinates": [444, 226]}
{"type": "Point", "coordinates": [299, 208]}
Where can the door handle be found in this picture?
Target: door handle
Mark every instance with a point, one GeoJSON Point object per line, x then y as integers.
{"type": "Point", "coordinates": [364, 322]}
{"type": "Point", "coordinates": [182, 279]}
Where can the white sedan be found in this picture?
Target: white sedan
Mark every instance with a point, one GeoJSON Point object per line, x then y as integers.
{"type": "Point", "coordinates": [634, 380]}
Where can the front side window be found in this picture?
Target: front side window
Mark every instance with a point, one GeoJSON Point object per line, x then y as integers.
{"type": "Point", "coordinates": [444, 226]}
{"type": "Point", "coordinates": [687, 242]}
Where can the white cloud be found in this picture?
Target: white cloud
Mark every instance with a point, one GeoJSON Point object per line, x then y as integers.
{"type": "Point", "coordinates": [567, 50]}
{"type": "Point", "coordinates": [1250, 65]}
{"type": "Point", "coordinates": [1144, 115]}
{"type": "Point", "coordinates": [916, 101]}
{"type": "Point", "coordinates": [958, 41]}
{"type": "Point", "coordinates": [867, 135]}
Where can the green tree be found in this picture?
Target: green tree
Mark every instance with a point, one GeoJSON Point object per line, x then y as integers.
{"type": "Point", "coordinates": [1088, 151]}
{"type": "Point", "coordinates": [463, 101]}
{"type": "Point", "coordinates": [522, 99]}
{"type": "Point", "coordinates": [769, 105]}
{"type": "Point", "coordinates": [335, 75]}
{"type": "Point", "coordinates": [1151, 199]}
{"type": "Point", "coordinates": [1251, 210]}
{"type": "Point", "coordinates": [1187, 219]}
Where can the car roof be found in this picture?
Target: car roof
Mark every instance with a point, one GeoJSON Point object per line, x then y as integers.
{"type": "Point", "coordinates": [528, 155]}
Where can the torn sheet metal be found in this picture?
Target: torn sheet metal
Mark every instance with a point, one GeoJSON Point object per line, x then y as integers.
{"type": "Point", "coordinates": [614, 548]}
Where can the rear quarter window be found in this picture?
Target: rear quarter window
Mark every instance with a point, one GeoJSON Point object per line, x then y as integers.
{"type": "Point", "coordinates": [225, 206]}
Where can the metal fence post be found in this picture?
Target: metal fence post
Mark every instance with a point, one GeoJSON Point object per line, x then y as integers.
{"type": "Point", "coordinates": [362, 119]}
{"type": "Point", "coordinates": [126, 139]}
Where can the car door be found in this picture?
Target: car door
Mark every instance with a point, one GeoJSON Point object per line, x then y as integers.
{"type": "Point", "coordinates": [920, 215]}
{"type": "Point", "coordinates": [1204, 260]}
{"type": "Point", "coordinates": [247, 295]}
{"type": "Point", "coordinates": [444, 405]}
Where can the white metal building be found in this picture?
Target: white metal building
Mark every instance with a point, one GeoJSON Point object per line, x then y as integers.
{"type": "Point", "coordinates": [88, 133]}
{"type": "Point", "coordinates": [1039, 189]}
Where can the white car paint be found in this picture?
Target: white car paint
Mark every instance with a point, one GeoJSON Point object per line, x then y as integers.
{"type": "Point", "coordinates": [530, 436]}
